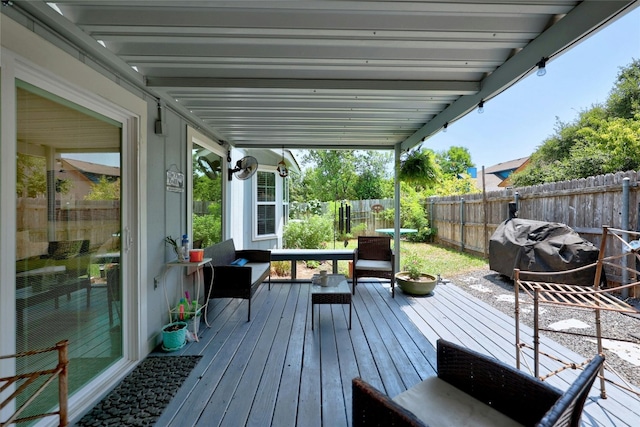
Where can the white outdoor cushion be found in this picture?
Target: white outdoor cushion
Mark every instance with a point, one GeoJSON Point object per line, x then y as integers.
{"type": "Point", "coordinates": [257, 269]}
{"type": "Point", "coordinates": [437, 403]}
{"type": "Point", "coordinates": [367, 264]}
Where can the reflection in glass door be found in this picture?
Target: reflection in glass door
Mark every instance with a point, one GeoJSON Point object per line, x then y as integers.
{"type": "Point", "coordinates": [68, 237]}
{"type": "Point", "coordinates": [207, 197]}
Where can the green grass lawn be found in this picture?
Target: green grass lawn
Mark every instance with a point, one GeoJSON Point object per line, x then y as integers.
{"type": "Point", "coordinates": [437, 259]}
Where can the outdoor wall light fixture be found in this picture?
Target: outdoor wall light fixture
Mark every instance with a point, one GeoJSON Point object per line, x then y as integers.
{"type": "Point", "coordinates": [541, 66]}
{"type": "Point", "coordinates": [481, 107]}
{"type": "Point", "coordinates": [282, 167]}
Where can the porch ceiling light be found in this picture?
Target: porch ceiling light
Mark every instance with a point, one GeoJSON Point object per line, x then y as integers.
{"type": "Point", "coordinates": [541, 66]}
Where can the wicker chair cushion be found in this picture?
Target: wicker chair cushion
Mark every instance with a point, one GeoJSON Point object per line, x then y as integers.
{"type": "Point", "coordinates": [371, 265]}
{"type": "Point", "coordinates": [258, 269]}
{"type": "Point", "coordinates": [437, 403]}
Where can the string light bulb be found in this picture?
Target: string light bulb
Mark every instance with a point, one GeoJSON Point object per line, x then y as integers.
{"type": "Point", "coordinates": [444, 128]}
{"type": "Point", "coordinates": [541, 67]}
{"type": "Point", "coordinates": [481, 107]}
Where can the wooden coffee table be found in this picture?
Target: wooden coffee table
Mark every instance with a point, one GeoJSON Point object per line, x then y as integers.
{"type": "Point", "coordinates": [337, 291]}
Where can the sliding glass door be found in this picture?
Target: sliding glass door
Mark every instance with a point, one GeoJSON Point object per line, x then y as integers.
{"type": "Point", "coordinates": [67, 255]}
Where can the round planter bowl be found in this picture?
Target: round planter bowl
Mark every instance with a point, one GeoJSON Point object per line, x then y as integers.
{"type": "Point", "coordinates": [412, 287]}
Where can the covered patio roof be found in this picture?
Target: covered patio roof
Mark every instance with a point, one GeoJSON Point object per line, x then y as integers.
{"type": "Point", "coordinates": [319, 74]}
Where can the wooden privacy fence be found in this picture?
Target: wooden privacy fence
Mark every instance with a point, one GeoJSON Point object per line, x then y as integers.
{"type": "Point", "coordinates": [585, 205]}
{"type": "Point", "coordinates": [94, 220]}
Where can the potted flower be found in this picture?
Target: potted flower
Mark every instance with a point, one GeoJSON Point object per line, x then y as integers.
{"type": "Point", "coordinates": [412, 280]}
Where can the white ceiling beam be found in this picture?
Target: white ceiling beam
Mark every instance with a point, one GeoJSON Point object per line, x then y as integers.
{"type": "Point", "coordinates": [451, 87]}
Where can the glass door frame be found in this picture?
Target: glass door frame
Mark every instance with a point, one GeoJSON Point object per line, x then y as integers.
{"type": "Point", "coordinates": [13, 68]}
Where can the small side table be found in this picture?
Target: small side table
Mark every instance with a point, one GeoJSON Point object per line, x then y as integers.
{"type": "Point", "coordinates": [173, 312]}
{"type": "Point", "coordinates": [337, 291]}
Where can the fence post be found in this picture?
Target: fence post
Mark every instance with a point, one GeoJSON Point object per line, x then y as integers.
{"type": "Point", "coordinates": [514, 206]}
{"type": "Point", "coordinates": [625, 236]}
{"type": "Point", "coordinates": [462, 223]}
{"type": "Point", "coordinates": [485, 230]}
{"type": "Point", "coordinates": [431, 219]}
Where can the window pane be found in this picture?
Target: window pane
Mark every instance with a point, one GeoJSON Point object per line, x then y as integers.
{"type": "Point", "coordinates": [266, 187]}
{"type": "Point", "coordinates": [68, 240]}
{"type": "Point", "coordinates": [266, 219]}
{"type": "Point", "coordinates": [207, 197]}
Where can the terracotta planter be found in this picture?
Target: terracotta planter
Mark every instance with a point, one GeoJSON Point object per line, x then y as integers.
{"type": "Point", "coordinates": [423, 286]}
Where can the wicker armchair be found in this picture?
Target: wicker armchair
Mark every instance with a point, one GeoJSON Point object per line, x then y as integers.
{"type": "Point", "coordinates": [521, 397]}
{"type": "Point", "coordinates": [373, 258]}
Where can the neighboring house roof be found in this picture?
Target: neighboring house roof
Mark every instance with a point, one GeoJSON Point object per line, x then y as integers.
{"type": "Point", "coordinates": [91, 170]}
{"type": "Point", "coordinates": [497, 176]}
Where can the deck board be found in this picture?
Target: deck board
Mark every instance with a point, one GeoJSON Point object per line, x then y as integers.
{"type": "Point", "coordinates": [276, 370]}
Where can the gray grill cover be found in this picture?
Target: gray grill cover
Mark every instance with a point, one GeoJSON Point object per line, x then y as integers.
{"type": "Point", "coordinates": [541, 246]}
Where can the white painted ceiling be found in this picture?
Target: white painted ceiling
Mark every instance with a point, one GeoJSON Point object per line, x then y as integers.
{"type": "Point", "coordinates": [323, 74]}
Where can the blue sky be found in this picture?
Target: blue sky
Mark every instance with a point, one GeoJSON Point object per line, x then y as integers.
{"type": "Point", "coordinates": [518, 120]}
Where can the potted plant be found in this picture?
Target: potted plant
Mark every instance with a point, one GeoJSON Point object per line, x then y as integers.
{"type": "Point", "coordinates": [419, 167]}
{"type": "Point", "coordinates": [412, 280]}
{"type": "Point", "coordinates": [174, 336]}
{"type": "Point", "coordinates": [175, 246]}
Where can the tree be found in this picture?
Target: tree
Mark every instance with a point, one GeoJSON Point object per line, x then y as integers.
{"type": "Point", "coordinates": [603, 139]}
{"type": "Point", "coordinates": [368, 186]}
{"type": "Point", "coordinates": [31, 177]}
{"type": "Point", "coordinates": [343, 174]}
{"type": "Point", "coordinates": [104, 189]}
{"type": "Point", "coordinates": [624, 99]}
{"type": "Point", "coordinates": [207, 185]}
{"type": "Point", "coordinates": [454, 161]}
{"type": "Point", "coordinates": [31, 180]}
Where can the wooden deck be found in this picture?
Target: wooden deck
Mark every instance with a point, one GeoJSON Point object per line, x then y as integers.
{"type": "Point", "coordinates": [276, 371]}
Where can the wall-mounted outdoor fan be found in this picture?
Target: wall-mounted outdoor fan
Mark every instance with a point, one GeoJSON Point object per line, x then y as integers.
{"type": "Point", "coordinates": [245, 168]}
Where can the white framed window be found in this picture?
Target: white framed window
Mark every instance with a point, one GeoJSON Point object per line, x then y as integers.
{"type": "Point", "coordinates": [266, 211]}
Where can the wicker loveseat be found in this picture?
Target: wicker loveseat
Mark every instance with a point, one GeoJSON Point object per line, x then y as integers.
{"type": "Point", "coordinates": [472, 389]}
{"type": "Point", "coordinates": [235, 281]}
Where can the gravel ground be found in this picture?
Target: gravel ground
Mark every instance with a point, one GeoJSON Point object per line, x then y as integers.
{"type": "Point", "coordinates": [497, 291]}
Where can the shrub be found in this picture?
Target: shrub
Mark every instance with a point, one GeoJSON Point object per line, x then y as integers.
{"type": "Point", "coordinates": [281, 268]}
{"type": "Point", "coordinates": [207, 228]}
{"type": "Point", "coordinates": [312, 264]}
{"type": "Point", "coordinates": [424, 234]}
{"type": "Point", "coordinates": [312, 233]}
